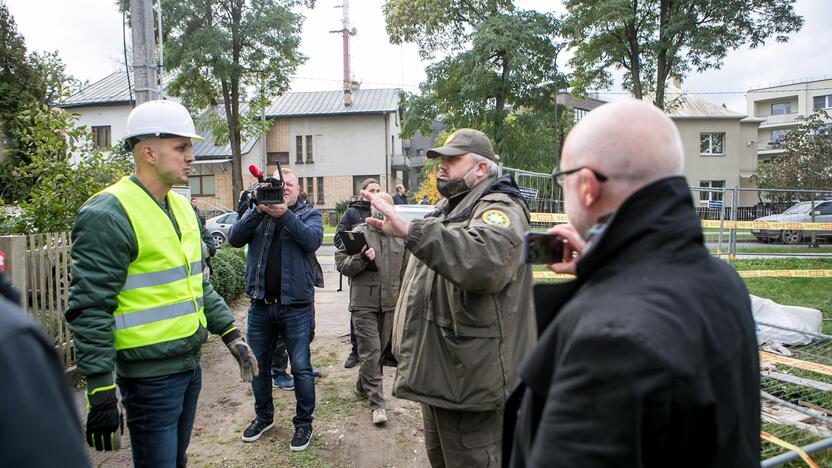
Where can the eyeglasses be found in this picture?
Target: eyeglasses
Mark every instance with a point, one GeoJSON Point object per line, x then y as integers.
{"type": "Point", "coordinates": [559, 176]}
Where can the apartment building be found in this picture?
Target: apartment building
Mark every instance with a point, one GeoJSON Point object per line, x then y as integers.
{"type": "Point", "coordinates": [781, 104]}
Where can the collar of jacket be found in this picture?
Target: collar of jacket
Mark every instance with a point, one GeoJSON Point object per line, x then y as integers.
{"type": "Point", "coordinates": [459, 208]}
{"type": "Point", "coordinates": [360, 204]}
{"type": "Point", "coordinates": [658, 221]}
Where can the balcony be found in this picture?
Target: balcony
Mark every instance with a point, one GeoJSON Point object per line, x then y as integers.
{"type": "Point", "coordinates": [769, 147]}
{"type": "Point", "coordinates": [779, 120]}
{"type": "Point", "coordinates": [400, 161]}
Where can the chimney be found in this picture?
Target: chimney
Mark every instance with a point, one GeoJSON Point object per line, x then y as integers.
{"type": "Point", "coordinates": [347, 97]}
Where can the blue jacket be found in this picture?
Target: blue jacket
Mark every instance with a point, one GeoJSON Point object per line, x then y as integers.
{"type": "Point", "coordinates": [302, 234]}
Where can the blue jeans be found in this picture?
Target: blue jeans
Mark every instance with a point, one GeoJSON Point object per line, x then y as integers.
{"type": "Point", "coordinates": [294, 324]}
{"type": "Point", "coordinates": [160, 416]}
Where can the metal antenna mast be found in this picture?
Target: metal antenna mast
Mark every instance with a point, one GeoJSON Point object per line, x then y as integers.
{"type": "Point", "coordinates": [346, 32]}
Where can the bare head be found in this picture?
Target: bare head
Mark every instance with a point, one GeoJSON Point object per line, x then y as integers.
{"type": "Point", "coordinates": [399, 189]}
{"type": "Point", "coordinates": [631, 143]}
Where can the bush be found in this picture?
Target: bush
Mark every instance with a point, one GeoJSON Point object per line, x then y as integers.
{"type": "Point", "coordinates": [228, 273]}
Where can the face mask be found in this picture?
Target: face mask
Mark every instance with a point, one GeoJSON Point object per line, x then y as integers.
{"type": "Point", "coordinates": [452, 187]}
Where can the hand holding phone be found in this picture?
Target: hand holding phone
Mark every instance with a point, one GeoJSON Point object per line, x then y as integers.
{"type": "Point", "coordinates": [543, 249]}
{"type": "Point", "coordinates": [559, 248]}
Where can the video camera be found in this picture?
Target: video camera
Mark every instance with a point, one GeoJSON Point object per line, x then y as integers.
{"type": "Point", "coordinates": [268, 190]}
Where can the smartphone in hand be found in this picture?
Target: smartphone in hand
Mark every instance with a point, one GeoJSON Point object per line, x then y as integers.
{"type": "Point", "coordinates": [542, 248]}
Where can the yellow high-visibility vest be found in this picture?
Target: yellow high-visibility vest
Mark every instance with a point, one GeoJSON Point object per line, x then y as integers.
{"type": "Point", "coordinates": [161, 299]}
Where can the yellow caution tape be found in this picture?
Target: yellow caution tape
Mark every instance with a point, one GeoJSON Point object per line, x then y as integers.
{"type": "Point", "coordinates": [549, 218]}
{"type": "Point", "coordinates": [794, 448]}
{"type": "Point", "coordinates": [742, 273]}
{"type": "Point", "coordinates": [785, 274]}
{"type": "Point", "coordinates": [768, 225]}
{"type": "Point", "coordinates": [797, 363]}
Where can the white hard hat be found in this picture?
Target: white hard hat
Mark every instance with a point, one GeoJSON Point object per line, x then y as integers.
{"type": "Point", "coordinates": [160, 118]}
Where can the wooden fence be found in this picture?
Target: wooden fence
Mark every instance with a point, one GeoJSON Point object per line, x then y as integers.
{"type": "Point", "coordinates": [38, 265]}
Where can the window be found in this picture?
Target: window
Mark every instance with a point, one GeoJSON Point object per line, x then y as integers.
{"type": "Point", "coordinates": [309, 149]}
{"type": "Point", "coordinates": [281, 157]}
{"type": "Point", "coordinates": [711, 184]}
{"type": "Point", "coordinates": [781, 108]}
{"type": "Point", "coordinates": [320, 190]}
{"type": "Point", "coordinates": [712, 144]}
{"type": "Point", "coordinates": [309, 191]}
{"type": "Point", "coordinates": [822, 102]}
{"type": "Point", "coordinates": [777, 138]}
{"type": "Point", "coordinates": [824, 208]}
{"type": "Point", "coordinates": [101, 137]}
{"type": "Point", "coordinates": [299, 149]}
{"type": "Point", "coordinates": [201, 185]}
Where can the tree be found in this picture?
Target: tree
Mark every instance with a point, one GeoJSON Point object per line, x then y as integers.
{"type": "Point", "coordinates": [26, 80]}
{"type": "Point", "coordinates": [229, 49]}
{"type": "Point", "coordinates": [806, 162]}
{"type": "Point", "coordinates": [427, 182]}
{"type": "Point", "coordinates": [652, 40]}
{"type": "Point", "coordinates": [497, 75]}
{"type": "Point", "coordinates": [56, 187]}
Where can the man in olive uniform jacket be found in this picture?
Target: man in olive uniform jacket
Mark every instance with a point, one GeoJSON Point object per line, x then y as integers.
{"type": "Point", "coordinates": [464, 319]}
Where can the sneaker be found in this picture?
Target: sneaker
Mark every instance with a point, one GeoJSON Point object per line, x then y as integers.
{"type": "Point", "coordinates": [283, 381]}
{"type": "Point", "coordinates": [255, 430]}
{"type": "Point", "coordinates": [301, 439]}
{"type": "Point", "coordinates": [379, 416]}
{"type": "Point", "coordinates": [316, 373]}
{"type": "Point", "coordinates": [351, 361]}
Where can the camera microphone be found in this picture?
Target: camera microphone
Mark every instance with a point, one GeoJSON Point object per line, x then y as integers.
{"type": "Point", "coordinates": [255, 171]}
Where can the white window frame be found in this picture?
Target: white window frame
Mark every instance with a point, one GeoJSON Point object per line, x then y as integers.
{"type": "Point", "coordinates": [710, 196]}
{"type": "Point", "coordinates": [827, 101]}
{"type": "Point", "coordinates": [787, 108]}
{"type": "Point", "coordinates": [710, 136]}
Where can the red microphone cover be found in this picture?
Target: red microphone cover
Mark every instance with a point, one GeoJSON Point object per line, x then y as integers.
{"type": "Point", "coordinates": [255, 171]}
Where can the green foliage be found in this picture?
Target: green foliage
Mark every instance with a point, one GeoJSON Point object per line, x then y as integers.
{"type": "Point", "coordinates": [26, 81]}
{"type": "Point", "coordinates": [653, 40]}
{"type": "Point", "coordinates": [427, 182]}
{"type": "Point", "coordinates": [228, 272]}
{"type": "Point", "coordinates": [229, 49]}
{"type": "Point", "coordinates": [56, 187]}
{"type": "Point", "coordinates": [341, 207]}
{"type": "Point", "coordinates": [497, 74]}
{"type": "Point", "coordinates": [806, 162]}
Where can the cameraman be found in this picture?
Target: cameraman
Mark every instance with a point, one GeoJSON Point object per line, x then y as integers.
{"type": "Point", "coordinates": [280, 277]}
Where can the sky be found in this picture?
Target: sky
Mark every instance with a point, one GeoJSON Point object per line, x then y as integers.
{"type": "Point", "coordinates": [88, 37]}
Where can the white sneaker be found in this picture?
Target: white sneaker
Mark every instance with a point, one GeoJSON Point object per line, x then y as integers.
{"type": "Point", "coordinates": [379, 416]}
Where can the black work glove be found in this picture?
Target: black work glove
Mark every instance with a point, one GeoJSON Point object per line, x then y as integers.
{"type": "Point", "coordinates": [103, 419]}
{"type": "Point", "coordinates": [243, 354]}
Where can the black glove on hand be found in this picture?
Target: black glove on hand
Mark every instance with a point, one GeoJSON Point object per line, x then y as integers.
{"type": "Point", "coordinates": [103, 419]}
{"type": "Point", "coordinates": [243, 354]}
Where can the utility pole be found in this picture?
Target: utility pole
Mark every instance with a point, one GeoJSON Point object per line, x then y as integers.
{"type": "Point", "coordinates": [345, 33]}
{"type": "Point", "coordinates": [144, 51]}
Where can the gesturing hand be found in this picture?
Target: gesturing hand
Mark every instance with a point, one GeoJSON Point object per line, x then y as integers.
{"type": "Point", "coordinates": [393, 224]}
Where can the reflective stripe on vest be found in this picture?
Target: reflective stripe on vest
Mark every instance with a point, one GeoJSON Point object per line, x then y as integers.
{"type": "Point", "coordinates": [161, 299]}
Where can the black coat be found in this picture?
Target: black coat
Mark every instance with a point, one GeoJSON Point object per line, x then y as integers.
{"type": "Point", "coordinates": [648, 359]}
{"type": "Point", "coordinates": [356, 213]}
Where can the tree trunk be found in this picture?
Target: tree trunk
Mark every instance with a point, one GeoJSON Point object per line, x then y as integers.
{"type": "Point", "coordinates": [662, 62]}
{"type": "Point", "coordinates": [232, 120]}
{"type": "Point", "coordinates": [499, 106]}
{"type": "Point", "coordinates": [635, 53]}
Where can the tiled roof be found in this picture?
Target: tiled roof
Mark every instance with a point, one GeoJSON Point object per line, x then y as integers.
{"type": "Point", "coordinates": [108, 91]}
{"type": "Point", "coordinates": [364, 101]}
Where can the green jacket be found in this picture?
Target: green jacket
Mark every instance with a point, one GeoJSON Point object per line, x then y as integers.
{"type": "Point", "coordinates": [465, 316]}
{"type": "Point", "coordinates": [103, 245]}
{"type": "Point", "coordinates": [377, 290]}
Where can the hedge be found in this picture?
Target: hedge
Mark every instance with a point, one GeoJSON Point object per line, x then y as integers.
{"type": "Point", "coordinates": [228, 272]}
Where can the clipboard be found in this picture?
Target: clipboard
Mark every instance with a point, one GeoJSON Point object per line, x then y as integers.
{"type": "Point", "coordinates": [354, 242]}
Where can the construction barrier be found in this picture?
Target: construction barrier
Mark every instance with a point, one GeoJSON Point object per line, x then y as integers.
{"type": "Point", "coordinates": [742, 273]}
{"type": "Point", "coordinates": [561, 218]}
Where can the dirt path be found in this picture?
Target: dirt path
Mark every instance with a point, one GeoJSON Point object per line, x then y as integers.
{"type": "Point", "coordinates": [344, 433]}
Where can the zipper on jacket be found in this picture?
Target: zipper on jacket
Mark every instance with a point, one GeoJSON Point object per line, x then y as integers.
{"type": "Point", "coordinates": [260, 258]}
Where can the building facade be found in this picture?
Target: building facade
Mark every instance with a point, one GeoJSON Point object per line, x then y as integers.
{"type": "Point", "coordinates": [780, 105]}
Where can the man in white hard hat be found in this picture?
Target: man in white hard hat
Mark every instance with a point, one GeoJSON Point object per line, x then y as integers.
{"type": "Point", "coordinates": [139, 303]}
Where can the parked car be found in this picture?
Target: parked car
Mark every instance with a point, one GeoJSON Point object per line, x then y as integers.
{"type": "Point", "coordinates": [219, 226]}
{"type": "Point", "coordinates": [799, 213]}
{"type": "Point", "coordinates": [411, 212]}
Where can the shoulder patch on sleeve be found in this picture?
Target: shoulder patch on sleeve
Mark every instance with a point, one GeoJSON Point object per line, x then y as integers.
{"type": "Point", "coordinates": [496, 218]}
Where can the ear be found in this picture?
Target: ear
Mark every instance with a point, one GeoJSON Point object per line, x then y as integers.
{"type": "Point", "coordinates": [482, 170]}
{"type": "Point", "coordinates": [148, 154]}
{"type": "Point", "coordinates": [589, 189]}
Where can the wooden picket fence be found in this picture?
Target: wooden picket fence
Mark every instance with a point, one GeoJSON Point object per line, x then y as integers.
{"type": "Point", "coordinates": [47, 295]}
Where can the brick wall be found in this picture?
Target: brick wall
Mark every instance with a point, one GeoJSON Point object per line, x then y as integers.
{"type": "Point", "coordinates": [278, 137]}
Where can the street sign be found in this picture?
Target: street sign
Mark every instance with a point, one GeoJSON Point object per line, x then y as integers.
{"type": "Point", "coordinates": [528, 192]}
